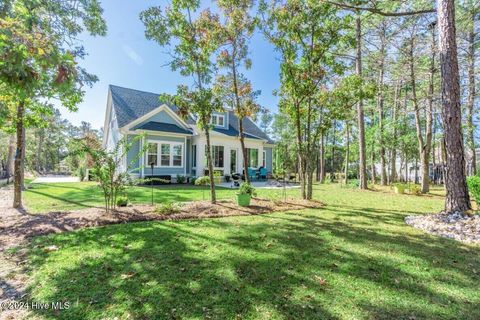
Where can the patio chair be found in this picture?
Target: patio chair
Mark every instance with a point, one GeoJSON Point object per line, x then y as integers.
{"type": "Point", "coordinates": [262, 172]}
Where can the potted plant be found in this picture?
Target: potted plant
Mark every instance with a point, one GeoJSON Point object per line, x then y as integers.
{"type": "Point", "coordinates": [227, 178]}
{"type": "Point", "coordinates": [245, 194]}
{"type": "Point", "coordinates": [399, 188]}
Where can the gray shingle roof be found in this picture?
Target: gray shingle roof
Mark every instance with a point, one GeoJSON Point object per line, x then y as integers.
{"type": "Point", "coordinates": [249, 127]}
{"type": "Point", "coordinates": [131, 104]}
{"type": "Point", "coordinates": [164, 127]}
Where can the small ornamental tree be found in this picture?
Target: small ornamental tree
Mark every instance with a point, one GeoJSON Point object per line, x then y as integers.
{"type": "Point", "coordinates": [193, 41]}
{"type": "Point", "coordinates": [107, 168]}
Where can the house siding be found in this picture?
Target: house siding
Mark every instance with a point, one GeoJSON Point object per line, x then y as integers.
{"type": "Point", "coordinates": [133, 157]}
{"type": "Point", "coordinates": [160, 117]}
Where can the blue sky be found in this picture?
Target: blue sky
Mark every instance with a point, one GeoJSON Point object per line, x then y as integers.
{"type": "Point", "coordinates": [126, 58]}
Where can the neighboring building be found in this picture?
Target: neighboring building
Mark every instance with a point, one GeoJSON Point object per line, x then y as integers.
{"type": "Point", "coordinates": [177, 146]}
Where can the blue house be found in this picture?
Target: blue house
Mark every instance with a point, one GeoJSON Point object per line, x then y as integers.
{"type": "Point", "coordinates": [176, 146]}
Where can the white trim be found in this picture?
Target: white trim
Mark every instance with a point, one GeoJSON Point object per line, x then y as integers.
{"type": "Point", "coordinates": [159, 153]}
{"type": "Point", "coordinates": [142, 158]}
{"type": "Point", "coordinates": [106, 123]}
{"type": "Point", "coordinates": [216, 124]}
{"type": "Point", "coordinates": [155, 133]}
{"type": "Point", "coordinates": [150, 114]}
{"type": "Point", "coordinates": [185, 156]}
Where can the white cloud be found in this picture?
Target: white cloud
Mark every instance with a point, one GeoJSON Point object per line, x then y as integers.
{"type": "Point", "coordinates": [135, 57]}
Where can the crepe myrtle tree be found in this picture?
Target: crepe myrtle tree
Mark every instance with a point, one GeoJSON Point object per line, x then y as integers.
{"type": "Point", "coordinates": [192, 37]}
{"type": "Point", "coordinates": [107, 167]}
{"type": "Point", "coordinates": [38, 63]}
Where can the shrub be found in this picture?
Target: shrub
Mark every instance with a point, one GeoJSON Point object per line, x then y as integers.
{"type": "Point", "coordinates": [122, 201]}
{"type": "Point", "coordinates": [400, 187]}
{"type": "Point", "coordinates": [246, 188]}
{"type": "Point", "coordinates": [180, 179]}
{"type": "Point", "coordinates": [353, 183]}
{"type": "Point", "coordinates": [415, 189]}
{"type": "Point", "coordinates": [202, 181]}
{"type": "Point", "coordinates": [167, 208]}
{"type": "Point", "coordinates": [193, 181]}
{"type": "Point", "coordinates": [473, 184]}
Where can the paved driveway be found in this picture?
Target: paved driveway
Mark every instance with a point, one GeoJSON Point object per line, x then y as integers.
{"type": "Point", "coordinates": [55, 179]}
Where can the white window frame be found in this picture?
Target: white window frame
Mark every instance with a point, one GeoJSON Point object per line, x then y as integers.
{"type": "Point", "coordinates": [264, 160]}
{"type": "Point", "coordinates": [217, 121]}
{"type": "Point", "coordinates": [159, 153]}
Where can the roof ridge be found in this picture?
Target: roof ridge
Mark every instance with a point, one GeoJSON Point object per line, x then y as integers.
{"type": "Point", "coordinates": [143, 91]}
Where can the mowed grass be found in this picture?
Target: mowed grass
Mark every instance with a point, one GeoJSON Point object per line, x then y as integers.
{"type": "Point", "coordinates": [45, 197]}
{"type": "Point", "coordinates": [353, 259]}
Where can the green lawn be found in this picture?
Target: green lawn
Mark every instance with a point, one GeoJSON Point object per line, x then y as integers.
{"type": "Point", "coordinates": [354, 259]}
{"type": "Point", "coordinates": [44, 197]}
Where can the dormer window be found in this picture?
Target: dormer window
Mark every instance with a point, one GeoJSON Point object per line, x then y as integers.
{"type": "Point", "coordinates": [217, 120]}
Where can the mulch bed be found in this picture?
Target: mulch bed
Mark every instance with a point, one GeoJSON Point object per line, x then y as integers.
{"type": "Point", "coordinates": [14, 230]}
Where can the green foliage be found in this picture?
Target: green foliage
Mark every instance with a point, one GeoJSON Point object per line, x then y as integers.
{"type": "Point", "coordinates": [414, 189]}
{"type": "Point", "coordinates": [106, 169]}
{"type": "Point", "coordinates": [167, 208]}
{"type": "Point", "coordinates": [122, 201]}
{"type": "Point", "coordinates": [202, 181]}
{"type": "Point", "coordinates": [473, 183]}
{"type": "Point", "coordinates": [247, 188]}
{"type": "Point", "coordinates": [181, 179]}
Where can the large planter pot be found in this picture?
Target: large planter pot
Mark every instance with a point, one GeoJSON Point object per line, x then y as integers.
{"type": "Point", "coordinates": [243, 200]}
{"type": "Point", "coordinates": [399, 189]}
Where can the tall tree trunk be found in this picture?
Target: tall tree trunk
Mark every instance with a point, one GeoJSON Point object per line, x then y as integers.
{"type": "Point", "coordinates": [332, 162]}
{"type": "Point", "coordinates": [240, 120]}
{"type": "Point", "coordinates": [360, 112]}
{"type": "Point", "coordinates": [471, 92]}
{"type": "Point", "coordinates": [393, 159]}
{"type": "Point", "coordinates": [38, 154]}
{"type": "Point", "coordinates": [457, 198]}
{"type": "Point", "coordinates": [301, 156]}
{"type": "Point", "coordinates": [347, 151]}
{"type": "Point", "coordinates": [322, 159]}
{"type": "Point", "coordinates": [210, 167]}
{"type": "Point", "coordinates": [423, 144]}
{"type": "Point", "coordinates": [19, 160]}
{"type": "Point", "coordinates": [10, 156]}
{"type": "Point", "coordinates": [380, 102]}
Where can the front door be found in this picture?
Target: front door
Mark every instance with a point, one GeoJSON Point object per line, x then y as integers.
{"type": "Point", "coordinates": [233, 161]}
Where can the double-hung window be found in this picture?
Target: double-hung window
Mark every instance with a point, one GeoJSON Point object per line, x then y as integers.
{"type": "Point", "coordinates": [152, 154]}
{"type": "Point", "coordinates": [165, 154]}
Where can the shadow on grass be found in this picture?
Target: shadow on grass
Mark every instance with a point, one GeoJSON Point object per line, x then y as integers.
{"type": "Point", "coordinates": [269, 267]}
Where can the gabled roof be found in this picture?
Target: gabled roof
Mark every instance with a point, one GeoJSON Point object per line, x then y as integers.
{"type": "Point", "coordinates": [131, 104]}
{"type": "Point", "coordinates": [249, 127]}
{"type": "Point", "coordinates": [164, 127]}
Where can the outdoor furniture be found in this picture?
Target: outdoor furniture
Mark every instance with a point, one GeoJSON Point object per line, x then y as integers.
{"type": "Point", "coordinates": [262, 172]}
{"type": "Point", "coordinates": [252, 173]}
